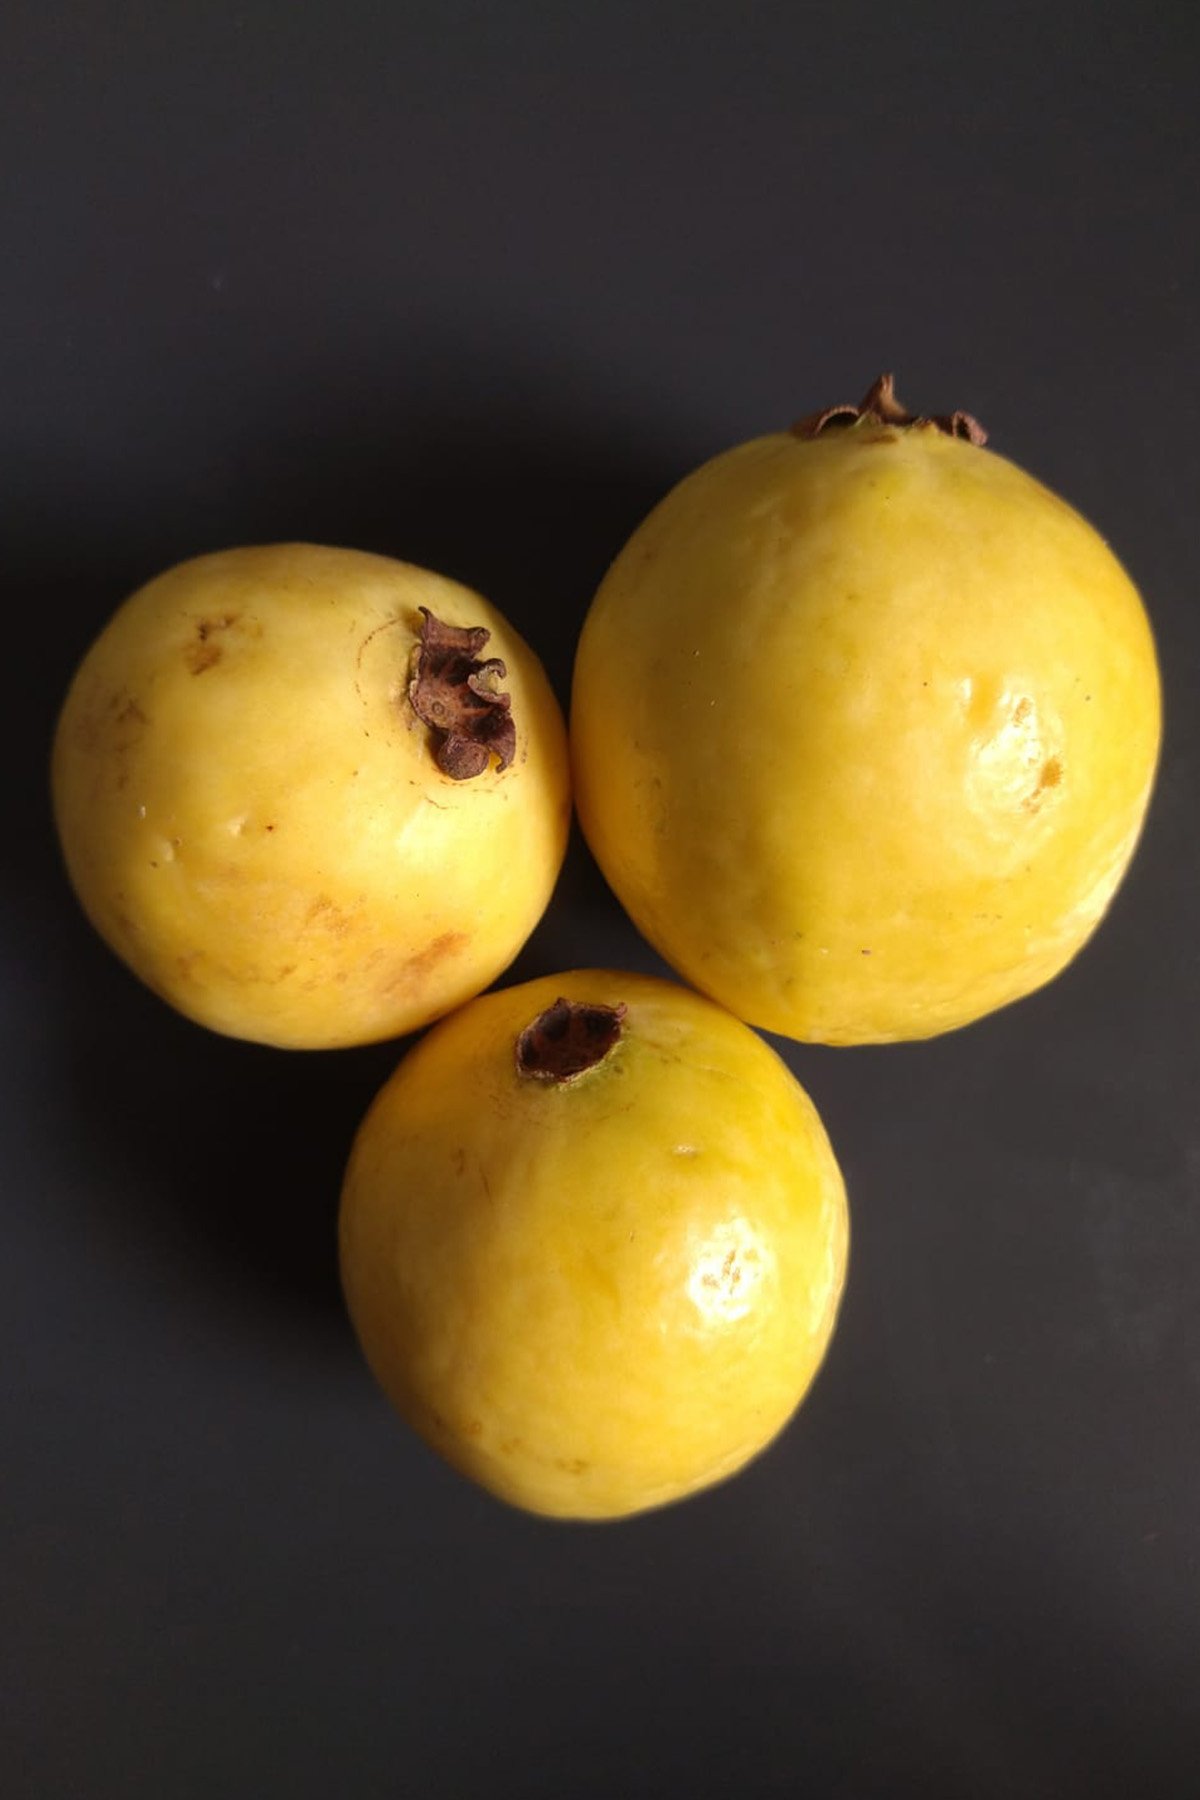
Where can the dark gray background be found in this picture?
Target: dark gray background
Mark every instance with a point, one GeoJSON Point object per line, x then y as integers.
{"type": "Point", "coordinates": [473, 284]}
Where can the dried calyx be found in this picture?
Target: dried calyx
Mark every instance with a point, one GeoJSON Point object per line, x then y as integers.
{"type": "Point", "coordinates": [454, 693]}
{"type": "Point", "coordinates": [568, 1038]}
{"type": "Point", "coordinates": [879, 406]}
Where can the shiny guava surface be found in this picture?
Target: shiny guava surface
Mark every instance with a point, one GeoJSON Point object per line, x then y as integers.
{"type": "Point", "coordinates": [864, 728]}
{"type": "Point", "coordinates": [600, 1293]}
{"type": "Point", "coordinates": [253, 814]}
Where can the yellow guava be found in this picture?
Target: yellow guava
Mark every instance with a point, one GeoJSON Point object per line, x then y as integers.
{"type": "Point", "coordinates": [300, 798]}
{"type": "Point", "coordinates": [864, 727]}
{"type": "Point", "coordinates": [593, 1239]}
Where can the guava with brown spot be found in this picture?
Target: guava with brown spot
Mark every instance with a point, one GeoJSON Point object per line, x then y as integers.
{"type": "Point", "coordinates": [593, 1239]}
{"type": "Point", "coordinates": [865, 683]}
{"type": "Point", "coordinates": [284, 774]}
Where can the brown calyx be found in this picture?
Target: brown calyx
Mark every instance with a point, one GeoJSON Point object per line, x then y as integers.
{"type": "Point", "coordinates": [568, 1038]}
{"type": "Point", "coordinates": [454, 693]}
{"type": "Point", "coordinates": [879, 406]}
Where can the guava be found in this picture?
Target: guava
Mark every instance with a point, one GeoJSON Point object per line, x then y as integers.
{"type": "Point", "coordinates": [865, 722]}
{"type": "Point", "coordinates": [593, 1239]}
{"type": "Point", "coordinates": [313, 797]}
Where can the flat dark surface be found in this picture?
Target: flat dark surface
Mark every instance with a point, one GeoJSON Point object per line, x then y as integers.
{"type": "Point", "coordinates": [473, 284]}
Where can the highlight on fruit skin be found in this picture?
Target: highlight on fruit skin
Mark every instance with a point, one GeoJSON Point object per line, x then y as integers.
{"type": "Point", "coordinates": [593, 1238]}
{"type": "Point", "coordinates": [864, 727]}
{"type": "Point", "coordinates": [312, 797]}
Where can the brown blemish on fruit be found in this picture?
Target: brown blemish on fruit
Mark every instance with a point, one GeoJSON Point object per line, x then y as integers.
{"type": "Point", "coordinates": [412, 971]}
{"type": "Point", "coordinates": [86, 733]}
{"type": "Point", "coordinates": [203, 653]}
{"type": "Point", "coordinates": [571, 1465]}
{"type": "Point", "coordinates": [436, 952]}
{"type": "Point", "coordinates": [1049, 776]}
{"type": "Point", "coordinates": [129, 712]}
{"type": "Point", "coordinates": [206, 627]}
{"type": "Point", "coordinates": [454, 694]}
{"type": "Point", "coordinates": [729, 1276]}
{"type": "Point", "coordinates": [112, 730]}
{"type": "Point", "coordinates": [128, 722]}
{"type": "Point", "coordinates": [324, 912]}
{"type": "Point", "coordinates": [567, 1039]}
{"type": "Point", "coordinates": [879, 406]}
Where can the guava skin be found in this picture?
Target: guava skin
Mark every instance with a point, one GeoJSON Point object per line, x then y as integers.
{"type": "Point", "coordinates": [864, 729]}
{"type": "Point", "coordinates": [252, 815]}
{"type": "Point", "coordinates": [598, 1295]}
